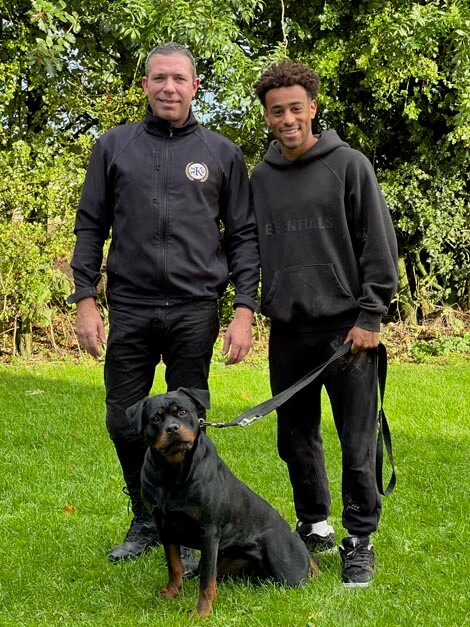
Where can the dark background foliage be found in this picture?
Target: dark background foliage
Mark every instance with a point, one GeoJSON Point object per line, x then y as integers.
{"type": "Point", "coordinates": [395, 84]}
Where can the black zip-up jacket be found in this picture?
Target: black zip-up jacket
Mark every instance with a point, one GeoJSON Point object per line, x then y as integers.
{"type": "Point", "coordinates": [327, 244]}
{"type": "Point", "coordinates": [176, 200]}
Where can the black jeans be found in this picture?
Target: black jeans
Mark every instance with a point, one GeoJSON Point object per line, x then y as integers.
{"type": "Point", "coordinates": [181, 335]}
{"type": "Point", "coordinates": [351, 384]}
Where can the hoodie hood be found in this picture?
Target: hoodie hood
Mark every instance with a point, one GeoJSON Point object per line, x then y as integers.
{"type": "Point", "coordinates": [327, 142]}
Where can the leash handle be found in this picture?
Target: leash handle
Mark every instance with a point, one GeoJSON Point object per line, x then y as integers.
{"type": "Point", "coordinates": [383, 431]}
{"type": "Point", "coordinates": [257, 412]}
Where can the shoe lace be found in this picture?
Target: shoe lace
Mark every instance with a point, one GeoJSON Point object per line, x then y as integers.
{"type": "Point", "coordinates": [358, 556]}
{"type": "Point", "coordinates": [135, 530]}
{"type": "Point", "coordinates": [129, 502]}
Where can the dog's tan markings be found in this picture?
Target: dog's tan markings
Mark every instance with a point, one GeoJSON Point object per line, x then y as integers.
{"type": "Point", "coordinates": [159, 414]}
{"type": "Point", "coordinates": [176, 458]}
{"type": "Point", "coordinates": [206, 599]}
{"type": "Point", "coordinates": [161, 442]}
{"type": "Point", "coordinates": [175, 572]}
{"type": "Point", "coordinates": [187, 434]}
{"type": "Point", "coordinates": [175, 445]}
{"type": "Point", "coordinates": [313, 568]}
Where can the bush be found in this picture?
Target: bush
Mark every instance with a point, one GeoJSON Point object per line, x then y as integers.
{"type": "Point", "coordinates": [31, 281]}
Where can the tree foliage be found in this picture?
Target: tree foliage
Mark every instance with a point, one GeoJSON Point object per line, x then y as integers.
{"type": "Point", "coordinates": [395, 84]}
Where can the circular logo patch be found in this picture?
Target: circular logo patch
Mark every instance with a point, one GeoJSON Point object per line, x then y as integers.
{"type": "Point", "coordinates": [197, 171]}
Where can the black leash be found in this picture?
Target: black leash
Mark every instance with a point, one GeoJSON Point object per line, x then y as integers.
{"type": "Point", "coordinates": [257, 412]}
{"type": "Point", "coordinates": [383, 436]}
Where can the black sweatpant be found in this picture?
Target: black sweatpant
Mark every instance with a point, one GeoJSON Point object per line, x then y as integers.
{"type": "Point", "coordinates": [181, 335]}
{"type": "Point", "coordinates": [351, 384]}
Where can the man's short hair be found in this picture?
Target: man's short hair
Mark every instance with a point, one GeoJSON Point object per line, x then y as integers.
{"type": "Point", "coordinates": [168, 49]}
{"type": "Point", "coordinates": [286, 74]}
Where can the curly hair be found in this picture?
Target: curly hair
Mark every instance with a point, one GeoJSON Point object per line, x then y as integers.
{"type": "Point", "coordinates": [286, 74]}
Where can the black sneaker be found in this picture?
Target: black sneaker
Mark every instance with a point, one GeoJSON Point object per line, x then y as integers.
{"type": "Point", "coordinates": [314, 542]}
{"type": "Point", "coordinates": [357, 556]}
{"type": "Point", "coordinates": [141, 537]}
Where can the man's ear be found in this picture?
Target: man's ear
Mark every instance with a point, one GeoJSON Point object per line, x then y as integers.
{"type": "Point", "coordinates": [201, 398]}
{"type": "Point", "coordinates": [313, 109]}
{"type": "Point", "coordinates": [135, 415]}
{"type": "Point", "coordinates": [266, 117]}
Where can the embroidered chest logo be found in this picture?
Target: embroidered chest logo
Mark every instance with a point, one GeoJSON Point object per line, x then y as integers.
{"type": "Point", "coordinates": [197, 171]}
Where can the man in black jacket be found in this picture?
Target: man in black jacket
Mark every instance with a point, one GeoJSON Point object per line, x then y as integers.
{"type": "Point", "coordinates": [176, 198]}
{"type": "Point", "coordinates": [329, 270]}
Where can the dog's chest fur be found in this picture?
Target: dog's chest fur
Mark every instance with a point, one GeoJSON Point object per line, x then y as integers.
{"type": "Point", "coordinates": [178, 497]}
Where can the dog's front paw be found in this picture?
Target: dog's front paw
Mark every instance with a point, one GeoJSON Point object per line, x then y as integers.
{"type": "Point", "coordinates": [170, 591]}
{"type": "Point", "coordinates": [205, 601]}
{"type": "Point", "coordinates": [203, 611]}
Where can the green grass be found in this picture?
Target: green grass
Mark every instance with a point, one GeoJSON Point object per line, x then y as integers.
{"type": "Point", "coordinates": [61, 508]}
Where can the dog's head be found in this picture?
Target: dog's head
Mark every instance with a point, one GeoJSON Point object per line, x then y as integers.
{"type": "Point", "coordinates": [170, 423]}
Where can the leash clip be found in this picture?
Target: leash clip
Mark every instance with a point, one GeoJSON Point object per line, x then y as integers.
{"type": "Point", "coordinates": [247, 421]}
{"type": "Point", "coordinates": [217, 425]}
{"type": "Point", "coordinates": [220, 425]}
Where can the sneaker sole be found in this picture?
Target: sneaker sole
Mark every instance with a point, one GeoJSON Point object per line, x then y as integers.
{"type": "Point", "coordinates": [130, 557]}
{"type": "Point", "coordinates": [330, 550]}
{"type": "Point", "coordinates": [349, 584]}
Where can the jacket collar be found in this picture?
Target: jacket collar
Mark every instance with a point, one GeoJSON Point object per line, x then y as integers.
{"type": "Point", "coordinates": [157, 126]}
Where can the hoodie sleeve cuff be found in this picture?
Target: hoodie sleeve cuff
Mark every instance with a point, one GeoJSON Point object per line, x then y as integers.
{"type": "Point", "coordinates": [245, 301]}
{"type": "Point", "coordinates": [369, 320]}
{"type": "Point", "coordinates": [81, 294]}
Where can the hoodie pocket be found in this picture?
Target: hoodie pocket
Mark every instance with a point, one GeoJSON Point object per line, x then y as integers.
{"type": "Point", "coordinates": [307, 292]}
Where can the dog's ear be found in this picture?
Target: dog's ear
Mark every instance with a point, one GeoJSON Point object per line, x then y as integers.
{"type": "Point", "coordinates": [135, 415]}
{"type": "Point", "coordinates": [200, 397]}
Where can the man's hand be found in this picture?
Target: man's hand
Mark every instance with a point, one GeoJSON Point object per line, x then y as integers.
{"type": "Point", "coordinates": [89, 327]}
{"type": "Point", "coordinates": [362, 339]}
{"type": "Point", "coordinates": [238, 336]}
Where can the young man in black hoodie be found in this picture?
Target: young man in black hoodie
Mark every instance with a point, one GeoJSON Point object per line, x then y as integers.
{"type": "Point", "coordinates": [329, 270]}
{"type": "Point", "coordinates": [175, 197]}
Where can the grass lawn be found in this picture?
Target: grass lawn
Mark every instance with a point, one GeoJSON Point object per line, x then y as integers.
{"type": "Point", "coordinates": [61, 507]}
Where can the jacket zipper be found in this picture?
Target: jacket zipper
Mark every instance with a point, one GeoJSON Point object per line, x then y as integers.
{"type": "Point", "coordinates": [163, 213]}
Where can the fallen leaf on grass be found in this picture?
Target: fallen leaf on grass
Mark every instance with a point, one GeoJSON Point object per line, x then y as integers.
{"type": "Point", "coordinates": [69, 509]}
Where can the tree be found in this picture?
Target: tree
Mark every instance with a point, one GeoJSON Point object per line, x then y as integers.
{"type": "Point", "coordinates": [395, 84]}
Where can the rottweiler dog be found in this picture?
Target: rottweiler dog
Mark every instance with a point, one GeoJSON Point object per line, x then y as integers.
{"type": "Point", "coordinates": [198, 502]}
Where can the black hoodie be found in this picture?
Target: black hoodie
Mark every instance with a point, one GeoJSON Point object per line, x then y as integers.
{"type": "Point", "coordinates": [327, 244]}
{"type": "Point", "coordinates": [177, 201]}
